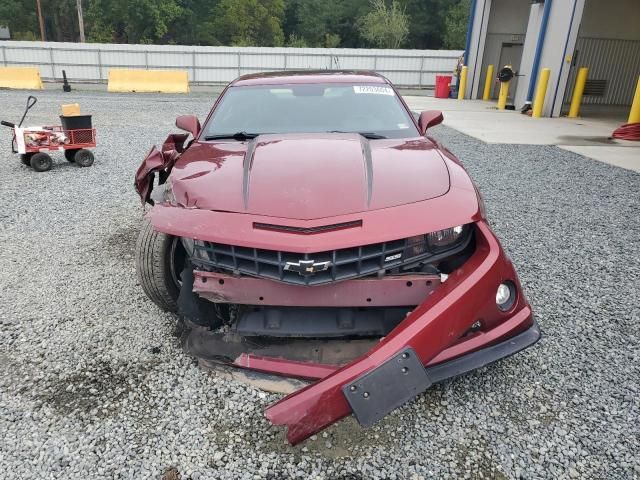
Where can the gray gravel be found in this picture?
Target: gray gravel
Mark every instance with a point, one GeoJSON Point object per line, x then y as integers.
{"type": "Point", "coordinates": [94, 385]}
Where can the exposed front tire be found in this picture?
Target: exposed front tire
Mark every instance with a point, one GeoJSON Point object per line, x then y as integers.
{"type": "Point", "coordinates": [166, 276]}
{"type": "Point", "coordinates": [159, 262]}
{"type": "Point", "coordinates": [83, 157]}
{"type": "Point", "coordinates": [41, 162]}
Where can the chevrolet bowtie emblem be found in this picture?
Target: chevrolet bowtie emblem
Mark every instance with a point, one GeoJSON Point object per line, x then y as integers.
{"type": "Point", "coordinates": [307, 267]}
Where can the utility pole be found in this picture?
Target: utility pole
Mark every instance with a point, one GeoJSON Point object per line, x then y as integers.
{"type": "Point", "coordinates": [40, 21]}
{"type": "Point", "coordinates": [80, 20]}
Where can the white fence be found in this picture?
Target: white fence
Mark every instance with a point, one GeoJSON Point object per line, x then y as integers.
{"type": "Point", "coordinates": [90, 62]}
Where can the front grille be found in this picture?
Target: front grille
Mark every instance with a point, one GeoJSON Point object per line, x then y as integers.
{"type": "Point", "coordinates": [344, 263]}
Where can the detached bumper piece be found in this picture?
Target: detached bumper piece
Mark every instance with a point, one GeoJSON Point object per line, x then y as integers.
{"type": "Point", "coordinates": [438, 334]}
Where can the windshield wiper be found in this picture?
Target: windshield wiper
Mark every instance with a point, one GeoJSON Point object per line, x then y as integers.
{"type": "Point", "coordinates": [367, 135]}
{"type": "Point", "coordinates": [235, 136]}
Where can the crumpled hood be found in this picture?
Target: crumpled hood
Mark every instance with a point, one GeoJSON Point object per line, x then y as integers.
{"type": "Point", "coordinates": [308, 176]}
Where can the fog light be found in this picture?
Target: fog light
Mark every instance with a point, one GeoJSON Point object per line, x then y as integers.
{"type": "Point", "coordinates": [505, 296]}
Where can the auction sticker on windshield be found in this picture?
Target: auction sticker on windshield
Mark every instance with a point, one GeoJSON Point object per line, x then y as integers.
{"type": "Point", "coordinates": [373, 89]}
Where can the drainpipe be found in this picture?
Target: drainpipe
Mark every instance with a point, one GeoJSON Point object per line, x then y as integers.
{"type": "Point", "coordinates": [539, 46]}
{"type": "Point", "coordinates": [467, 43]}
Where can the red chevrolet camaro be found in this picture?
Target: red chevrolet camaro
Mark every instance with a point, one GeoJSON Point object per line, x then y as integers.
{"type": "Point", "coordinates": [313, 218]}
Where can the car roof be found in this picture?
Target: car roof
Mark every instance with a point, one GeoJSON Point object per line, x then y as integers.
{"type": "Point", "coordinates": [309, 76]}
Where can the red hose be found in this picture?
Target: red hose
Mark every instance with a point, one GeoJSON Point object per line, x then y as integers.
{"type": "Point", "coordinates": [628, 131]}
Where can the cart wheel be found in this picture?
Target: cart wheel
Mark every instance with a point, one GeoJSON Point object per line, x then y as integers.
{"type": "Point", "coordinates": [84, 157]}
{"type": "Point", "coordinates": [41, 162]}
{"type": "Point", "coordinates": [70, 155]}
{"type": "Point", "coordinates": [25, 158]}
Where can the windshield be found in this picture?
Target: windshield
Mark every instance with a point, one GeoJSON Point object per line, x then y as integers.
{"type": "Point", "coordinates": [372, 110]}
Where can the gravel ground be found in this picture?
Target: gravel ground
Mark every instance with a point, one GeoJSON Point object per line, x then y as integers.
{"type": "Point", "coordinates": [93, 383]}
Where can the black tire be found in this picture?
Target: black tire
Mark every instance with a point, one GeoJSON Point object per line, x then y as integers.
{"type": "Point", "coordinates": [25, 158]}
{"type": "Point", "coordinates": [83, 157]}
{"type": "Point", "coordinates": [41, 162]}
{"type": "Point", "coordinates": [70, 155]}
{"type": "Point", "coordinates": [158, 266]}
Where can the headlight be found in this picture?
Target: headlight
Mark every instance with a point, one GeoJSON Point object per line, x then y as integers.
{"type": "Point", "coordinates": [445, 238]}
{"type": "Point", "coordinates": [436, 242]}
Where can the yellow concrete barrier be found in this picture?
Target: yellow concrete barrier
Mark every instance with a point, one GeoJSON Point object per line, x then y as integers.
{"type": "Point", "coordinates": [634, 114]}
{"type": "Point", "coordinates": [20, 77]}
{"type": "Point", "coordinates": [541, 92]}
{"type": "Point", "coordinates": [578, 90]}
{"type": "Point", "coordinates": [487, 83]}
{"type": "Point", "coordinates": [163, 81]}
{"type": "Point", "coordinates": [463, 83]}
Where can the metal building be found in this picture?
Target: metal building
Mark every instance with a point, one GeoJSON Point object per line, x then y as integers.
{"type": "Point", "coordinates": [562, 35]}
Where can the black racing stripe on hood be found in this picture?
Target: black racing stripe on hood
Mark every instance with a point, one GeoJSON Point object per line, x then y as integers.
{"type": "Point", "coordinates": [246, 169]}
{"type": "Point", "coordinates": [368, 167]}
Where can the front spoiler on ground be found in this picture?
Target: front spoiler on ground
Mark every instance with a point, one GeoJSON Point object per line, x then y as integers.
{"type": "Point", "coordinates": [369, 414]}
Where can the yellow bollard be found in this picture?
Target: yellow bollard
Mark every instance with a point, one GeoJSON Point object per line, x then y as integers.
{"type": "Point", "coordinates": [634, 114]}
{"type": "Point", "coordinates": [463, 83]}
{"type": "Point", "coordinates": [541, 92]}
{"type": "Point", "coordinates": [487, 83]}
{"type": "Point", "coordinates": [504, 93]}
{"type": "Point", "coordinates": [578, 90]}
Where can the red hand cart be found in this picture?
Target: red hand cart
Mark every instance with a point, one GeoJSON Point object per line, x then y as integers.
{"type": "Point", "coordinates": [33, 143]}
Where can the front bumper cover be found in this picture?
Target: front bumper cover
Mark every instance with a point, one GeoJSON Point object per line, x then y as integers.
{"type": "Point", "coordinates": [433, 331]}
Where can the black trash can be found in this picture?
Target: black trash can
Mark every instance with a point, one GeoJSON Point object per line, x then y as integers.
{"type": "Point", "coordinates": [76, 122]}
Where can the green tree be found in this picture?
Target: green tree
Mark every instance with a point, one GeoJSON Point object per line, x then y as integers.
{"type": "Point", "coordinates": [325, 23]}
{"type": "Point", "coordinates": [456, 23]}
{"type": "Point", "coordinates": [296, 41]}
{"type": "Point", "coordinates": [250, 22]}
{"type": "Point", "coordinates": [426, 22]}
{"type": "Point", "coordinates": [331, 40]}
{"type": "Point", "coordinates": [314, 23]}
{"type": "Point", "coordinates": [385, 27]}
{"type": "Point", "coordinates": [20, 16]}
{"type": "Point", "coordinates": [61, 20]}
{"type": "Point", "coordinates": [131, 21]}
{"type": "Point", "coordinates": [195, 25]}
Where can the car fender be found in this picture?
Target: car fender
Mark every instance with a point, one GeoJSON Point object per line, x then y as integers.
{"type": "Point", "coordinates": [160, 161]}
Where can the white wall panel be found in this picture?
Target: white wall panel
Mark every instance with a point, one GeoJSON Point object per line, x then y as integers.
{"type": "Point", "coordinates": [123, 58]}
{"type": "Point", "coordinates": [92, 61]}
{"type": "Point", "coordinates": [33, 55]}
{"type": "Point", "coordinates": [90, 72]}
{"type": "Point", "coordinates": [221, 60]}
{"type": "Point", "coordinates": [170, 60]}
{"type": "Point", "coordinates": [356, 63]}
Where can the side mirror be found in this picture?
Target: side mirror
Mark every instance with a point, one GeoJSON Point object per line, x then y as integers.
{"type": "Point", "coordinates": [429, 119]}
{"type": "Point", "coordinates": [189, 123]}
